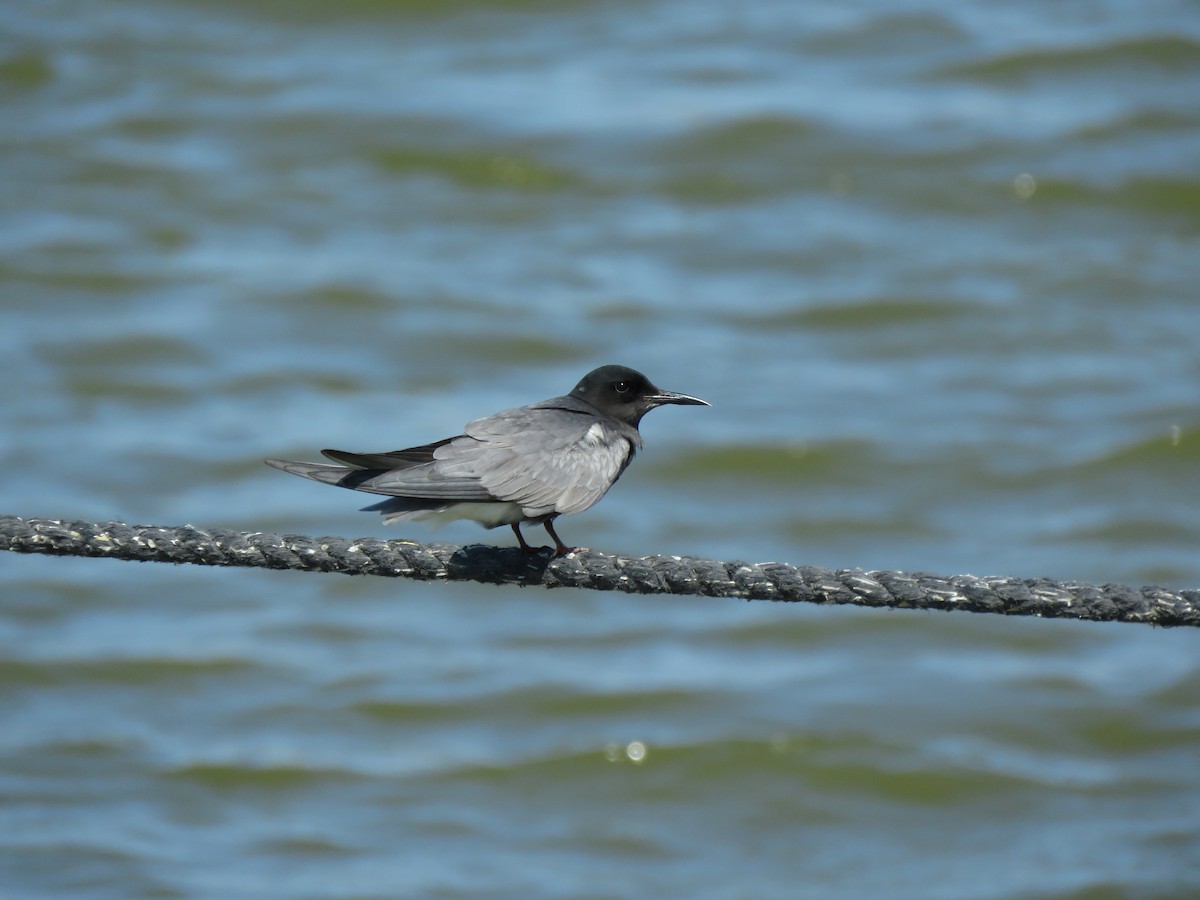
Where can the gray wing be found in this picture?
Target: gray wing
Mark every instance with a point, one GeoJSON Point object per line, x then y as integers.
{"type": "Point", "coordinates": [400, 473]}
{"type": "Point", "coordinates": [418, 482]}
{"type": "Point", "coordinates": [550, 460]}
{"type": "Point", "coordinates": [392, 459]}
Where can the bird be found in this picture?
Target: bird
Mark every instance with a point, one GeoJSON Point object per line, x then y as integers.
{"type": "Point", "coordinates": [530, 464]}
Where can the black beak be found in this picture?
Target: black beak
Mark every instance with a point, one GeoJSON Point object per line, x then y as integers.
{"type": "Point", "coordinates": [661, 398]}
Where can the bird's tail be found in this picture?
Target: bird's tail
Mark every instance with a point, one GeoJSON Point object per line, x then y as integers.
{"type": "Point", "coordinates": [336, 475]}
{"type": "Point", "coordinates": [316, 471]}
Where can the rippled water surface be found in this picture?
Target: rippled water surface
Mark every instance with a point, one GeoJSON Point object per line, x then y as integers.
{"type": "Point", "coordinates": [934, 266]}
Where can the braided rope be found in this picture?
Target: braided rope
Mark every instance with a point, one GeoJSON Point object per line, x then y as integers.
{"type": "Point", "coordinates": [599, 571]}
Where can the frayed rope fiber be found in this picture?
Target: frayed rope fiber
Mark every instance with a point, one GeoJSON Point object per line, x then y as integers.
{"type": "Point", "coordinates": [599, 571]}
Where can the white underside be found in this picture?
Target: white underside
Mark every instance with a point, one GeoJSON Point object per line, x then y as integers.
{"type": "Point", "coordinates": [487, 514]}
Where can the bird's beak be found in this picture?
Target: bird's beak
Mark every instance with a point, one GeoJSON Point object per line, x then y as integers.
{"type": "Point", "coordinates": [662, 398]}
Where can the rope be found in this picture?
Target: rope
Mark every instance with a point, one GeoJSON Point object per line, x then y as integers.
{"type": "Point", "coordinates": [599, 571]}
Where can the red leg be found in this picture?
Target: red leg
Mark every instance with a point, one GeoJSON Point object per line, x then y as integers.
{"type": "Point", "coordinates": [525, 548]}
{"type": "Point", "coordinates": [561, 549]}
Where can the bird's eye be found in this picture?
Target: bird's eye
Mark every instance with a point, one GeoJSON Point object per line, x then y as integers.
{"type": "Point", "coordinates": [622, 387]}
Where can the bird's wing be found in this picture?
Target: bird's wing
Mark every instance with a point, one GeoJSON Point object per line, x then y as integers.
{"type": "Point", "coordinates": [419, 482]}
{"type": "Point", "coordinates": [550, 460]}
{"type": "Point", "coordinates": [392, 459]}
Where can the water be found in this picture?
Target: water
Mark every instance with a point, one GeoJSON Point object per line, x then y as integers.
{"type": "Point", "coordinates": [936, 271]}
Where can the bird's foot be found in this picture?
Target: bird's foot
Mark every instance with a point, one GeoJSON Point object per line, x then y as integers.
{"type": "Point", "coordinates": [555, 552]}
{"type": "Point", "coordinates": [560, 549]}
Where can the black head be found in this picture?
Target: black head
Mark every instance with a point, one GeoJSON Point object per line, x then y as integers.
{"type": "Point", "coordinates": [626, 394]}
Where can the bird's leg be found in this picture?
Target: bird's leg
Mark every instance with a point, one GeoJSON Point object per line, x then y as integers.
{"type": "Point", "coordinates": [525, 548]}
{"type": "Point", "coordinates": [560, 549]}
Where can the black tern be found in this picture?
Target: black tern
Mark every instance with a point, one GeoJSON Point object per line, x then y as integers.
{"type": "Point", "coordinates": [529, 464]}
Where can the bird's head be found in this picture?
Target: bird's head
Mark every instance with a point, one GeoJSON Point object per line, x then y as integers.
{"type": "Point", "coordinates": [626, 394]}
